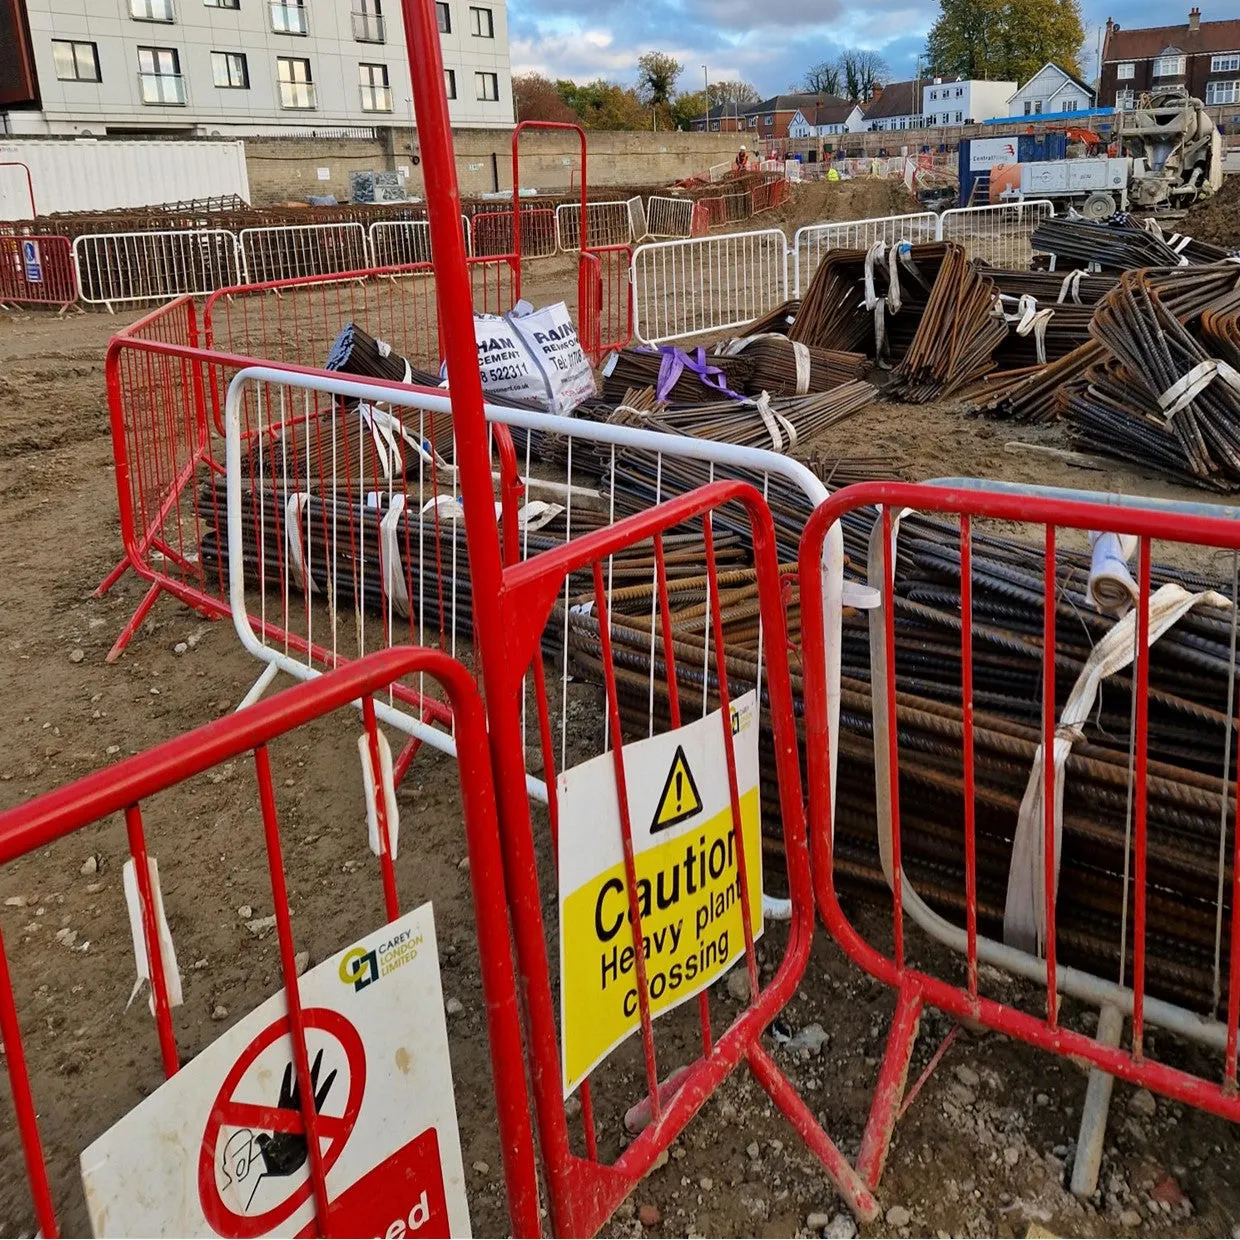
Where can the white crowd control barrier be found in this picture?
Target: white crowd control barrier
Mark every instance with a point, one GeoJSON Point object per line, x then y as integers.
{"type": "Point", "coordinates": [607, 223]}
{"type": "Point", "coordinates": [669, 217]}
{"type": "Point", "coordinates": [719, 172]}
{"type": "Point", "coordinates": [287, 251]}
{"type": "Point", "coordinates": [809, 244]}
{"type": "Point", "coordinates": [792, 169]}
{"type": "Point", "coordinates": [707, 284]}
{"type": "Point", "coordinates": [1002, 235]}
{"type": "Point", "coordinates": [115, 268]}
{"type": "Point", "coordinates": [638, 225]}
{"type": "Point", "coordinates": [345, 530]}
{"type": "Point", "coordinates": [395, 243]}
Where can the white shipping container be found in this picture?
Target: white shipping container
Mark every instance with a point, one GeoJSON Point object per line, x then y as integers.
{"type": "Point", "coordinates": [1073, 176]}
{"type": "Point", "coordinates": [89, 174]}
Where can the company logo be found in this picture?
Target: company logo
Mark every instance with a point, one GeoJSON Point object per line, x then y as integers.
{"type": "Point", "coordinates": [363, 966]}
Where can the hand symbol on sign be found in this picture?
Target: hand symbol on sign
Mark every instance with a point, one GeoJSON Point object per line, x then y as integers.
{"type": "Point", "coordinates": [286, 1152]}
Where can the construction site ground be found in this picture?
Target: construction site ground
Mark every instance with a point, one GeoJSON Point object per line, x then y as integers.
{"type": "Point", "coordinates": [985, 1148]}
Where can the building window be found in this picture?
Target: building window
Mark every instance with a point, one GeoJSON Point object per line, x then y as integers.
{"type": "Point", "coordinates": [1070, 104]}
{"type": "Point", "coordinates": [449, 83]}
{"type": "Point", "coordinates": [959, 91]}
{"type": "Point", "coordinates": [1037, 106]}
{"type": "Point", "coordinates": [934, 94]}
{"type": "Point", "coordinates": [376, 95]}
{"type": "Point", "coordinates": [368, 24]}
{"type": "Point", "coordinates": [159, 73]}
{"type": "Point", "coordinates": [1169, 66]}
{"type": "Point", "coordinates": [296, 83]}
{"type": "Point", "coordinates": [289, 17]}
{"type": "Point", "coordinates": [1124, 98]}
{"type": "Point", "coordinates": [768, 120]}
{"type": "Point", "coordinates": [1125, 70]}
{"type": "Point", "coordinates": [222, 4]}
{"type": "Point", "coordinates": [76, 62]}
{"type": "Point", "coordinates": [959, 117]}
{"type": "Point", "coordinates": [151, 10]}
{"type": "Point", "coordinates": [486, 86]}
{"type": "Point", "coordinates": [229, 70]}
{"type": "Point", "coordinates": [1223, 92]}
{"type": "Point", "coordinates": [1227, 63]}
{"type": "Point", "coordinates": [481, 24]}
{"type": "Point", "coordinates": [444, 14]}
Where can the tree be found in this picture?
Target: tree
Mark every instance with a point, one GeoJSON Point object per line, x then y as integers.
{"type": "Point", "coordinates": [861, 73]}
{"type": "Point", "coordinates": [736, 94]}
{"type": "Point", "coordinates": [656, 77]}
{"type": "Point", "coordinates": [689, 106]}
{"type": "Point", "coordinates": [535, 98]}
{"type": "Point", "coordinates": [1005, 40]}
{"type": "Point", "coordinates": [604, 105]}
{"type": "Point", "coordinates": [822, 78]}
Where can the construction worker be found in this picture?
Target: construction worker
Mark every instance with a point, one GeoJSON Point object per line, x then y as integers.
{"type": "Point", "coordinates": [833, 173]}
{"type": "Point", "coordinates": [742, 158]}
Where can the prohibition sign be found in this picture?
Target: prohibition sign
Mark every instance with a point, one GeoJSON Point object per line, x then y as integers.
{"type": "Point", "coordinates": [230, 1111]}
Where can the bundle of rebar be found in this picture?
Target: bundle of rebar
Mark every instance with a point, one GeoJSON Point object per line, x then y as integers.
{"type": "Point", "coordinates": [356, 352]}
{"type": "Point", "coordinates": [1114, 244]}
{"type": "Point", "coordinates": [956, 336]}
{"type": "Point", "coordinates": [637, 368]}
{"type": "Point", "coordinates": [832, 314]}
{"type": "Point", "coordinates": [1148, 404]}
{"type": "Point", "coordinates": [782, 367]}
{"type": "Point", "coordinates": [778, 320]}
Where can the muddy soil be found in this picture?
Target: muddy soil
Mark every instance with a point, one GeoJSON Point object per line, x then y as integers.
{"type": "Point", "coordinates": [984, 1148]}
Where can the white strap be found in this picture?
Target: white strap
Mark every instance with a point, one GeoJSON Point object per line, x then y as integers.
{"type": "Point", "coordinates": [389, 556]}
{"type": "Point", "coordinates": [801, 353]}
{"type": "Point", "coordinates": [297, 504]}
{"type": "Point", "coordinates": [1024, 917]}
{"type": "Point", "coordinates": [893, 279]}
{"type": "Point", "coordinates": [774, 420]}
{"type": "Point", "coordinates": [1111, 587]}
{"type": "Point", "coordinates": [1071, 286]}
{"type": "Point", "coordinates": [1186, 389]}
{"type": "Point", "coordinates": [874, 255]}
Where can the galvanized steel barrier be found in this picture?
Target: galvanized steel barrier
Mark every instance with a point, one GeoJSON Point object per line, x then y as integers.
{"type": "Point", "coordinates": [607, 224]}
{"type": "Point", "coordinates": [1038, 1020]}
{"type": "Point", "coordinates": [1002, 235]}
{"type": "Point", "coordinates": [405, 242]}
{"type": "Point", "coordinates": [638, 225]}
{"type": "Point", "coordinates": [133, 788]}
{"type": "Point", "coordinates": [686, 288]}
{"type": "Point", "coordinates": [286, 251]}
{"type": "Point", "coordinates": [810, 243]}
{"type": "Point", "coordinates": [118, 268]}
{"type": "Point", "coordinates": [37, 271]}
{"type": "Point", "coordinates": [669, 217]}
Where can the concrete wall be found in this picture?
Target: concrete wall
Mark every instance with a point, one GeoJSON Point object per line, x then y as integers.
{"type": "Point", "coordinates": [288, 168]}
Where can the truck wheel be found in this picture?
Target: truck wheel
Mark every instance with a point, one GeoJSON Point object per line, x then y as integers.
{"type": "Point", "coordinates": [1099, 206]}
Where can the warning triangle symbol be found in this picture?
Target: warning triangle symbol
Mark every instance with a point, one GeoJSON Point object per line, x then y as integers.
{"type": "Point", "coordinates": [679, 799]}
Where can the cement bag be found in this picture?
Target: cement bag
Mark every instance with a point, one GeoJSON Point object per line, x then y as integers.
{"type": "Point", "coordinates": [533, 355]}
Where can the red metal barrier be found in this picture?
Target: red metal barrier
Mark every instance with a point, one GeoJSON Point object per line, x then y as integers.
{"type": "Point", "coordinates": [583, 1191]}
{"type": "Point", "coordinates": [37, 271]}
{"type": "Point", "coordinates": [124, 787]}
{"type": "Point", "coordinates": [16, 163]}
{"type": "Point", "coordinates": [166, 377]}
{"type": "Point", "coordinates": [917, 987]}
{"type": "Point", "coordinates": [605, 299]}
{"type": "Point", "coordinates": [769, 195]}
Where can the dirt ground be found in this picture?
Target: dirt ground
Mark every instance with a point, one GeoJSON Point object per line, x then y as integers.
{"type": "Point", "coordinates": [984, 1149]}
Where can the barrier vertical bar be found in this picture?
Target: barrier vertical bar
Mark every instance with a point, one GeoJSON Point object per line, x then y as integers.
{"type": "Point", "coordinates": [1139, 803]}
{"type": "Point", "coordinates": [1048, 769]}
{"type": "Point", "coordinates": [970, 791]}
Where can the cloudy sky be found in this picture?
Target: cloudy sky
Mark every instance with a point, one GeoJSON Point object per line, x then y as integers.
{"type": "Point", "coordinates": [767, 42]}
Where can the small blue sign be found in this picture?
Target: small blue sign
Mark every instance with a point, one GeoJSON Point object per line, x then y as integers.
{"type": "Point", "coordinates": [33, 261]}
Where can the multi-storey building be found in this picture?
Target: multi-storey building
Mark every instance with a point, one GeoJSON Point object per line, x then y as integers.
{"type": "Point", "coordinates": [1202, 58]}
{"type": "Point", "coordinates": [964, 101]}
{"type": "Point", "coordinates": [238, 67]}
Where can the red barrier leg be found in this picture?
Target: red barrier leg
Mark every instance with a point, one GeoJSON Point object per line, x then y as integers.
{"type": "Point", "coordinates": [889, 1092]}
{"type": "Point", "coordinates": [112, 578]}
{"type": "Point", "coordinates": [135, 622]}
{"type": "Point", "coordinates": [848, 1183]}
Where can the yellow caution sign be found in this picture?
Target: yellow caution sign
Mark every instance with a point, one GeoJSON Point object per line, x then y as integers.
{"type": "Point", "coordinates": [680, 800]}
{"type": "Point", "coordinates": [686, 858]}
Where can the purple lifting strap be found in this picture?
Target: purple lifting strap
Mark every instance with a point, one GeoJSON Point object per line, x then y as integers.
{"type": "Point", "coordinates": [676, 361]}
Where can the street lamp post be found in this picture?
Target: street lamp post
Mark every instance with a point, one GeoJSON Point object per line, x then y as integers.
{"type": "Point", "coordinates": [706, 84]}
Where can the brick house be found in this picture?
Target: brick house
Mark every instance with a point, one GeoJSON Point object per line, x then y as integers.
{"type": "Point", "coordinates": [1201, 57]}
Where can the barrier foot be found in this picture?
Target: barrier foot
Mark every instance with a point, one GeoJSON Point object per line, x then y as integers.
{"type": "Point", "coordinates": [1093, 1132]}
{"type": "Point", "coordinates": [889, 1092]}
{"type": "Point", "coordinates": [259, 687]}
{"type": "Point", "coordinates": [112, 578]}
{"type": "Point", "coordinates": [849, 1185]}
{"type": "Point", "coordinates": [135, 622]}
